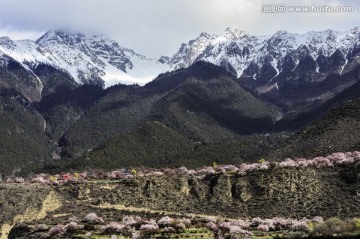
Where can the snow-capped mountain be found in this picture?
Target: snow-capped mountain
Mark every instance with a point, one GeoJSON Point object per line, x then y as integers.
{"type": "Point", "coordinates": [243, 53]}
{"type": "Point", "coordinates": [263, 63]}
{"type": "Point", "coordinates": [290, 70]}
{"type": "Point", "coordinates": [86, 59]}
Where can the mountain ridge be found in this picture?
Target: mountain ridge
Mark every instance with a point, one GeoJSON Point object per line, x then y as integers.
{"type": "Point", "coordinates": [93, 59]}
{"type": "Point", "coordinates": [263, 58]}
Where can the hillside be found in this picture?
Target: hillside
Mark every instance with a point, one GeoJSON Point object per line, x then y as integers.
{"type": "Point", "coordinates": [338, 130]}
{"type": "Point", "coordinates": [23, 142]}
{"type": "Point", "coordinates": [202, 103]}
{"type": "Point", "coordinates": [266, 196]}
{"type": "Point", "coordinates": [156, 145]}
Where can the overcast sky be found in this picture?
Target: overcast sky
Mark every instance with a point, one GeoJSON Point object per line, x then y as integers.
{"type": "Point", "coordinates": [158, 27]}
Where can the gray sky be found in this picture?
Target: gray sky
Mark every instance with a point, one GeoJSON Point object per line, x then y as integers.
{"type": "Point", "coordinates": [158, 27]}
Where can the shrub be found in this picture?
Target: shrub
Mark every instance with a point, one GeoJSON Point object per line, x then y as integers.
{"type": "Point", "coordinates": [318, 220]}
{"type": "Point", "coordinates": [72, 227]}
{"type": "Point", "coordinates": [169, 230]}
{"type": "Point", "coordinates": [299, 226]}
{"type": "Point", "coordinates": [113, 227]}
{"type": "Point", "coordinates": [133, 172]}
{"type": "Point", "coordinates": [57, 230]}
{"type": "Point", "coordinates": [129, 221]}
{"type": "Point", "coordinates": [40, 179]}
{"type": "Point", "coordinates": [92, 218]}
{"type": "Point", "coordinates": [238, 233]}
{"type": "Point", "coordinates": [287, 163]}
{"type": "Point", "coordinates": [73, 219]}
{"type": "Point", "coordinates": [183, 170]}
{"type": "Point", "coordinates": [148, 230]}
{"type": "Point", "coordinates": [264, 228]}
{"type": "Point", "coordinates": [357, 223]}
{"type": "Point", "coordinates": [185, 221]}
{"type": "Point", "coordinates": [19, 180]}
{"type": "Point", "coordinates": [165, 221]}
{"type": "Point", "coordinates": [135, 235]}
{"type": "Point", "coordinates": [212, 226]}
{"type": "Point", "coordinates": [42, 227]}
{"type": "Point", "coordinates": [336, 225]}
{"type": "Point", "coordinates": [180, 227]}
{"type": "Point", "coordinates": [311, 226]}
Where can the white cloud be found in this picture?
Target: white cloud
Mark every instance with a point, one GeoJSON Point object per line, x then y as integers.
{"type": "Point", "coordinates": [155, 27]}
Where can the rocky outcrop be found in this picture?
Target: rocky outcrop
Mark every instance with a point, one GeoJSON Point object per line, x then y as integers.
{"type": "Point", "coordinates": [20, 203]}
{"type": "Point", "coordinates": [296, 193]}
{"type": "Point", "coordinates": [277, 192]}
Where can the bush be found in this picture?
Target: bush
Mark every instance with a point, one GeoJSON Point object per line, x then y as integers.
{"type": "Point", "coordinates": [57, 230]}
{"type": "Point", "coordinates": [336, 225]}
{"type": "Point", "coordinates": [72, 227]}
{"type": "Point", "coordinates": [356, 222]}
{"type": "Point", "coordinates": [147, 230]}
{"type": "Point", "coordinates": [92, 218]}
{"type": "Point", "coordinates": [164, 221]}
{"type": "Point", "coordinates": [42, 227]}
{"type": "Point", "coordinates": [321, 228]}
{"type": "Point", "coordinates": [264, 228]}
{"type": "Point", "coordinates": [113, 227]}
{"type": "Point", "coordinates": [129, 221]}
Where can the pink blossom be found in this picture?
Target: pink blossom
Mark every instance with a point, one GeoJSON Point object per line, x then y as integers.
{"type": "Point", "coordinates": [186, 221]}
{"type": "Point", "coordinates": [356, 155]}
{"type": "Point", "coordinates": [154, 173]}
{"type": "Point", "coordinates": [299, 226]}
{"type": "Point", "coordinates": [318, 219]}
{"type": "Point", "coordinates": [322, 162]}
{"type": "Point", "coordinates": [348, 160]}
{"type": "Point", "coordinates": [264, 228]}
{"type": "Point", "coordinates": [191, 172]}
{"type": "Point", "coordinates": [336, 156]}
{"type": "Point", "coordinates": [212, 226]}
{"type": "Point", "coordinates": [113, 227]}
{"type": "Point", "coordinates": [165, 221]}
{"type": "Point", "coordinates": [93, 218]}
{"type": "Point", "coordinates": [287, 163]}
{"type": "Point", "coordinates": [72, 226]}
{"type": "Point", "coordinates": [169, 171]}
{"type": "Point", "coordinates": [230, 168]}
{"type": "Point", "coordinates": [19, 180]}
{"type": "Point", "coordinates": [129, 220]}
{"type": "Point", "coordinates": [135, 235]}
{"type": "Point", "coordinates": [206, 170]}
{"type": "Point", "coordinates": [183, 170]}
{"type": "Point", "coordinates": [303, 164]}
{"type": "Point", "coordinates": [57, 230]}
{"type": "Point", "coordinates": [111, 175]}
{"type": "Point", "coordinates": [9, 180]}
{"type": "Point", "coordinates": [149, 227]}
{"type": "Point", "coordinates": [169, 230]}
{"type": "Point", "coordinates": [264, 166]}
{"type": "Point", "coordinates": [40, 179]}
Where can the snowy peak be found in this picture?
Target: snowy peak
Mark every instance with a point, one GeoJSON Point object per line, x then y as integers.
{"type": "Point", "coordinates": [101, 60]}
{"type": "Point", "coordinates": [245, 53]}
{"type": "Point", "coordinates": [86, 58]}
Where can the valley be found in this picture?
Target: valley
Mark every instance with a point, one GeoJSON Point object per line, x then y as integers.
{"type": "Point", "coordinates": [236, 135]}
